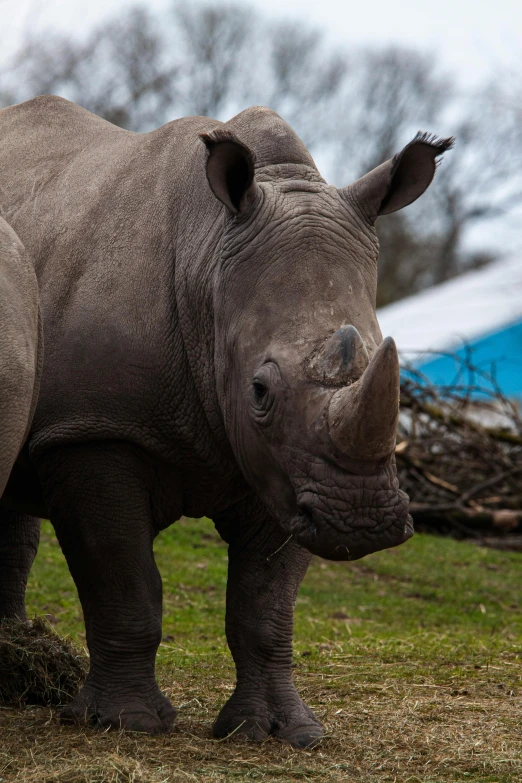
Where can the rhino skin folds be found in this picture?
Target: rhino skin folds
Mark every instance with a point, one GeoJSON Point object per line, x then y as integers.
{"type": "Point", "coordinates": [211, 349]}
{"type": "Point", "coordinates": [21, 358]}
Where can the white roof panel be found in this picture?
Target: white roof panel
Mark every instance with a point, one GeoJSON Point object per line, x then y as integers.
{"type": "Point", "coordinates": [445, 316]}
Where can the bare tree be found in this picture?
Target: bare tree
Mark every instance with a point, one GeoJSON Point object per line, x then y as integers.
{"type": "Point", "coordinates": [305, 76]}
{"type": "Point", "coordinates": [387, 95]}
{"type": "Point", "coordinates": [119, 71]}
{"type": "Point", "coordinates": [354, 109]}
{"type": "Point", "coordinates": [214, 44]}
{"type": "Point", "coordinates": [393, 93]}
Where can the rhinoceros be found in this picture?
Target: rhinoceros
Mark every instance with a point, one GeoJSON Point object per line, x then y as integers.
{"type": "Point", "coordinates": [212, 349]}
{"type": "Point", "coordinates": [21, 355]}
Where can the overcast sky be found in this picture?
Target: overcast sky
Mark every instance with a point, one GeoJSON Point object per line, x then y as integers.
{"type": "Point", "coordinates": [472, 36]}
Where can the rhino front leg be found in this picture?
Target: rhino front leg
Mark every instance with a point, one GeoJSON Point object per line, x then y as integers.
{"type": "Point", "coordinates": [19, 538]}
{"type": "Point", "coordinates": [265, 571]}
{"type": "Point", "coordinates": [99, 501]}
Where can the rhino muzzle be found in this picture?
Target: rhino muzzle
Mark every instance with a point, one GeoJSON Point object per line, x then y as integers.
{"type": "Point", "coordinates": [344, 516]}
{"type": "Point", "coordinates": [348, 499]}
{"type": "Point", "coordinates": [355, 533]}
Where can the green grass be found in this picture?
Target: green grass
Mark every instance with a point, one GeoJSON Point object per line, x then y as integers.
{"type": "Point", "coordinates": [412, 657]}
{"type": "Point", "coordinates": [432, 593]}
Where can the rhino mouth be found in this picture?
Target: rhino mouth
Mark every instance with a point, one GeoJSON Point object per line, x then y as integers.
{"type": "Point", "coordinates": [328, 541]}
{"type": "Point", "coordinates": [353, 518]}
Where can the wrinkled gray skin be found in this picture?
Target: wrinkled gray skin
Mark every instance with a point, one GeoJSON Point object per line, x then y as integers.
{"type": "Point", "coordinates": [202, 327]}
{"type": "Point", "coordinates": [20, 369]}
{"type": "Point", "coordinates": [19, 365]}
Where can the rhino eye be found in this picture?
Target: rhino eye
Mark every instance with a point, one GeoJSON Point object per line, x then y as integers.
{"type": "Point", "coordinates": [260, 390]}
{"type": "Point", "coordinates": [263, 391]}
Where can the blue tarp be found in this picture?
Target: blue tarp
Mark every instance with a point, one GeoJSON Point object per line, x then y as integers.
{"type": "Point", "coordinates": [498, 355]}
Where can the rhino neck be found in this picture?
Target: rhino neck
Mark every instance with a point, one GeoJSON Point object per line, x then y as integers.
{"type": "Point", "coordinates": [199, 236]}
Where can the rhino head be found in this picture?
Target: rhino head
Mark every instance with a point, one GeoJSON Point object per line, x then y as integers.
{"type": "Point", "coordinates": [308, 389]}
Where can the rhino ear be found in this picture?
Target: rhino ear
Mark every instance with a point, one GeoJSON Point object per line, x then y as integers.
{"type": "Point", "coordinates": [230, 169]}
{"type": "Point", "coordinates": [401, 180]}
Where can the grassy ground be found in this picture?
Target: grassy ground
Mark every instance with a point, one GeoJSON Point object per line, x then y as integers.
{"type": "Point", "coordinates": [412, 658]}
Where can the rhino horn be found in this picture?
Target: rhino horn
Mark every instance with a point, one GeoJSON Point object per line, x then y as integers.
{"type": "Point", "coordinates": [342, 359]}
{"type": "Point", "coordinates": [363, 417]}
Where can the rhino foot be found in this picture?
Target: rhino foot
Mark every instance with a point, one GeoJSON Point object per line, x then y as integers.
{"type": "Point", "coordinates": [289, 720]}
{"type": "Point", "coordinates": [153, 714]}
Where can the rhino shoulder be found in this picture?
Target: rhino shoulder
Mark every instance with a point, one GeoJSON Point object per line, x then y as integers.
{"type": "Point", "coordinates": [49, 110]}
{"type": "Point", "coordinates": [51, 126]}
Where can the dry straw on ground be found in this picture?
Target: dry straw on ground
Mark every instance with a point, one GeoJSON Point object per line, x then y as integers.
{"type": "Point", "coordinates": [381, 729]}
{"type": "Point", "coordinates": [37, 666]}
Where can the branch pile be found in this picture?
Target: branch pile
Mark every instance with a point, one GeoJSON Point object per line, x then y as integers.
{"type": "Point", "coordinates": [459, 457]}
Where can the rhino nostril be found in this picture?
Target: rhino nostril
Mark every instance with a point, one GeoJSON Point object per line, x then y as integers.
{"type": "Point", "coordinates": [305, 514]}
